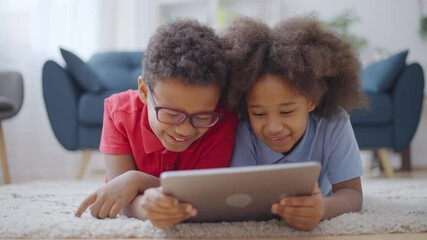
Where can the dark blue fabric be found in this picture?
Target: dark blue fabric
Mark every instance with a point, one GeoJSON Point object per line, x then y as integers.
{"type": "Point", "coordinates": [89, 137]}
{"type": "Point", "coordinates": [118, 71]}
{"type": "Point", "coordinates": [380, 111]}
{"type": "Point", "coordinates": [369, 137]}
{"type": "Point", "coordinates": [408, 98]}
{"type": "Point", "coordinates": [75, 110]}
{"type": "Point", "coordinates": [91, 108]}
{"type": "Point", "coordinates": [61, 94]}
{"type": "Point", "coordinates": [85, 76]}
{"type": "Point", "coordinates": [394, 115]}
{"type": "Point", "coordinates": [381, 75]}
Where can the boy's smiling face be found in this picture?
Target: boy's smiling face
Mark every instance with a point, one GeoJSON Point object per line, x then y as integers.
{"type": "Point", "coordinates": [174, 94]}
{"type": "Point", "coordinates": [277, 112]}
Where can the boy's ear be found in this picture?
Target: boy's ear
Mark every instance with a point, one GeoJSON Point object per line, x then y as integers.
{"type": "Point", "coordinates": [142, 90]}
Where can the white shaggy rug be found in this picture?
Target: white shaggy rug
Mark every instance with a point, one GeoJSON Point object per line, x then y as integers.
{"type": "Point", "coordinates": [46, 210]}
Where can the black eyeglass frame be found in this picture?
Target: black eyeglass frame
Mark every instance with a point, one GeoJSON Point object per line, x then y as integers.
{"type": "Point", "coordinates": [157, 108]}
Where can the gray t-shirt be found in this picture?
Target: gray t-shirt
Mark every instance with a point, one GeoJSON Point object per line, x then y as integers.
{"type": "Point", "coordinates": [330, 142]}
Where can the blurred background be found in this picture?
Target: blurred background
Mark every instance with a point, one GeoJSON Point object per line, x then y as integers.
{"type": "Point", "coordinates": [31, 32]}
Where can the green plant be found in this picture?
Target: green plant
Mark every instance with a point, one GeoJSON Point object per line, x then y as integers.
{"type": "Point", "coordinates": [342, 24]}
{"type": "Point", "coordinates": [423, 27]}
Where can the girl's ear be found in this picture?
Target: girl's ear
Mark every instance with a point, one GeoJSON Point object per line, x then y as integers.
{"type": "Point", "coordinates": [142, 88]}
{"type": "Point", "coordinates": [312, 106]}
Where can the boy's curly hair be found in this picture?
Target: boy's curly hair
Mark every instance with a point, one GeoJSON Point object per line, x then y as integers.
{"type": "Point", "coordinates": [187, 50]}
{"type": "Point", "coordinates": [314, 60]}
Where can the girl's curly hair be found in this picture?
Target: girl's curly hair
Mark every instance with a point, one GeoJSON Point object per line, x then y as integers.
{"type": "Point", "coordinates": [187, 50]}
{"type": "Point", "coordinates": [314, 60]}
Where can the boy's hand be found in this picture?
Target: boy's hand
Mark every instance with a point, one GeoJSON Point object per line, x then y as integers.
{"type": "Point", "coordinates": [108, 200]}
{"type": "Point", "coordinates": [303, 212]}
{"type": "Point", "coordinates": [163, 210]}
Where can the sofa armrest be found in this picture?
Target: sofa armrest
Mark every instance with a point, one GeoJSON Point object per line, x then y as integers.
{"type": "Point", "coordinates": [408, 96]}
{"type": "Point", "coordinates": [61, 95]}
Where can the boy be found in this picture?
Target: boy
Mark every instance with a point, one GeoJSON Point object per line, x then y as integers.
{"type": "Point", "coordinates": [174, 121]}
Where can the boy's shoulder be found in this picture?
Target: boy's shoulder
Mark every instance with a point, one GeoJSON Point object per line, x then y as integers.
{"type": "Point", "coordinates": [127, 101]}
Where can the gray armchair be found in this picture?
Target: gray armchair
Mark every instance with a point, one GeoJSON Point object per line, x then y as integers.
{"type": "Point", "coordinates": [11, 98]}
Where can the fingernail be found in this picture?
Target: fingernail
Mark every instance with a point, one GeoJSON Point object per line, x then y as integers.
{"type": "Point", "coordinates": [188, 208]}
{"type": "Point", "coordinates": [274, 208]}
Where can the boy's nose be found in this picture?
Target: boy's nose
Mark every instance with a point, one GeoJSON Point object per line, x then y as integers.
{"type": "Point", "coordinates": [185, 128]}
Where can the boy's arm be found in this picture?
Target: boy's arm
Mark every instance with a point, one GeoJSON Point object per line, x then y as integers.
{"type": "Point", "coordinates": [124, 184]}
{"type": "Point", "coordinates": [125, 164]}
{"type": "Point", "coordinates": [162, 210]}
{"type": "Point", "coordinates": [138, 181]}
{"type": "Point", "coordinates": [152, 204]}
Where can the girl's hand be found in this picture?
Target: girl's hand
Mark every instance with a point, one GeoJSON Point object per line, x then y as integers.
{"type": "Point", "coordinates": [163, 210]}
{"type": "Point", "coordinates": [111, 198]}
{"type": "Point", "coordinates": [302, 212]}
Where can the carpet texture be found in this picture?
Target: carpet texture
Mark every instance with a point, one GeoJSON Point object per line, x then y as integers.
{"type": "Point", "coordinates": [46, 210]}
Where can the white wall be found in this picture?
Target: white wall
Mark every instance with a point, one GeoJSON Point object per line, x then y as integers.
{"type": "Point", "coordinates": [389, 24]}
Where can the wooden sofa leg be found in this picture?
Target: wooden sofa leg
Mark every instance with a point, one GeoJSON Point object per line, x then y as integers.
{"type": "Point", "coordinates": [406, 159]}
{"type": "Point", "coordinates": [83, 163]}
{"type": "Point", "coordinates": [3, 156]}
{"type": "Point", "coordinates": [384, 158]}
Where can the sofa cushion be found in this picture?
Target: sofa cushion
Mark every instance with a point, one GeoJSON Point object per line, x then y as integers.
{"type": "Point", "coordinates": [380, 112]}
{"type": "Point", "coordinates": [85, 76]}
{"type": "Point", "coordinates": [118, 70]}
{"type": "Point", "coordinates": [380, 76]}
{"type": "Point", "coordinates": [91, 108]}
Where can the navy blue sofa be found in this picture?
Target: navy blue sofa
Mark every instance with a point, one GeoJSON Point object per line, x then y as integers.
{"type": "Point", "coordinates": [74, 95]}
{"type": "Point", "coordinates": [396, 93]}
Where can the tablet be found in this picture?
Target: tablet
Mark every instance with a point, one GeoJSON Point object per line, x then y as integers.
{"type": "Point", "coordinates": [239, 193]}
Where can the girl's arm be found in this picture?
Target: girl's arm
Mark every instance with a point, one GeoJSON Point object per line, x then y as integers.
{"type": "Point", "coordinates": [346, 197]}
{"type": "Point", "coordinates": [305, 212]}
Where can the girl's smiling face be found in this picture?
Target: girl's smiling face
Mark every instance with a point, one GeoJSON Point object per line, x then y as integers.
{"type": "Point", "coordinates": [277, 112]}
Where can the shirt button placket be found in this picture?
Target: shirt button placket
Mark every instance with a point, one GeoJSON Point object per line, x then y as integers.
{"type": "Point", "coordinates": [168, 160]}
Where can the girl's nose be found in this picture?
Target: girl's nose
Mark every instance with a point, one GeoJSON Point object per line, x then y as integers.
{"type": "Point", "coordinates": [274, 126]}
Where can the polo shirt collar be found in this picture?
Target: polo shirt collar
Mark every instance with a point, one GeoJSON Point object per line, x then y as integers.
{"type": "Point", "coordinates": [268, 156]}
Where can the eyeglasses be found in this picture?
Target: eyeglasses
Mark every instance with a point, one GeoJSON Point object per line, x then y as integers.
{"type": "Point", "coordinates": [175, 117]}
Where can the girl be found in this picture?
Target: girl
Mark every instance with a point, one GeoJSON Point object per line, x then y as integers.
{"type": "Point", "coordinates": [292, 86]}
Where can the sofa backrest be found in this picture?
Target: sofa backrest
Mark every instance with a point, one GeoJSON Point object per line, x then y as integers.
{"type": "Point", "coordinates": [119, 71]}
{"type": "Point", "coordinates": [382, 75]}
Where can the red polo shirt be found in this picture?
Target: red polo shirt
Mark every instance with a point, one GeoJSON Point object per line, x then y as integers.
{"type": "Point", "coordinates": [126, 131]}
